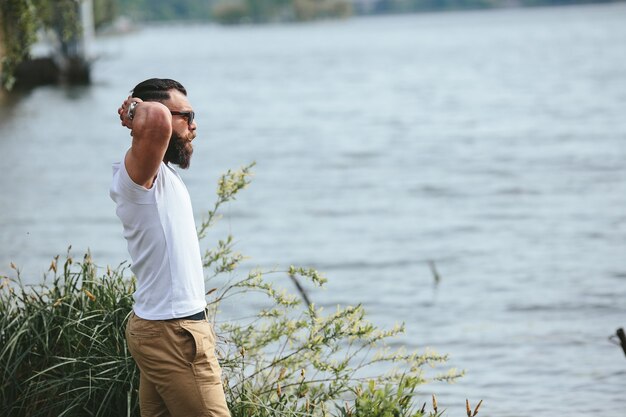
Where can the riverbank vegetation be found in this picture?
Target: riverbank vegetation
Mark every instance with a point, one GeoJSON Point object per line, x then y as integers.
{"type": "Point", "coordinates": [22, 20]}
{"type": "Point", "coordinates": [258, 11]}
{"type": "Point", "coordinates": [221, 11]}
{"type": "Point", "coordinates": [62, 347]}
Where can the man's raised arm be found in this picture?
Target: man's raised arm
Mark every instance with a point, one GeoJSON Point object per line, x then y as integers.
{"type": "Point", "coordinates": [150, 123]}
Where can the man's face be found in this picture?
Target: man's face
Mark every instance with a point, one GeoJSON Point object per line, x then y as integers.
{"type": "Point", "coordinates": [180, 149]}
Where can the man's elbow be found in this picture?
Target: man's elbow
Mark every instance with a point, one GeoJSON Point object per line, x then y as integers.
{"type": "Point", "coordinates": [160, 113]}
{"type": "Point", "coordinates": [153, 117]}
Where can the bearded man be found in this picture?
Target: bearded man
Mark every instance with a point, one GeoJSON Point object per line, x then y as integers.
{"type": "Point", "coordinates": [168, 333]}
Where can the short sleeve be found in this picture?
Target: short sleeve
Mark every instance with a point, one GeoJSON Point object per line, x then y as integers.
{"type": "Point", "coordinates": [123, 186]}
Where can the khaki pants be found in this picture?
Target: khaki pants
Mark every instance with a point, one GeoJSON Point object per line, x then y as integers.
{"type": "Point", "coordinates": [179, 373]}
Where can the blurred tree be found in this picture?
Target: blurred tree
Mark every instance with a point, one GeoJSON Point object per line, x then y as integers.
{"type": "Point", "coordinates": [21, 19]}
{"type": "Point", "coordinates": [314, 9]}
{"type": "Point", "coordinates": [105, 12]}
{"type": "Point", "coordinates": [18, 34]}
{"type": "Point", "coordinates": [260, 11]}
{"type": "Point", "coordinates": [159, 10]}
{"type": "Point", "coordinates": [230, 13]}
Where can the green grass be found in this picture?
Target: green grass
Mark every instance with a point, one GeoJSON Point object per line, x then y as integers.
{"type": "Point", "coordinates": [63, 351]}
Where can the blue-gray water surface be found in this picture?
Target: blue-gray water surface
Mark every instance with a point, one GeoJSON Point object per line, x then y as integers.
{"type": "Point", "coordinates": [491, 143]}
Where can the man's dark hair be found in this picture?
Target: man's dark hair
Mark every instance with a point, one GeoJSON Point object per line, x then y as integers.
{"type": "Point", "coordinates": [157, 89]}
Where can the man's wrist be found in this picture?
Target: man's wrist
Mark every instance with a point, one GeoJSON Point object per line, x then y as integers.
{"type": "Point", "coordinates": [131, 110]}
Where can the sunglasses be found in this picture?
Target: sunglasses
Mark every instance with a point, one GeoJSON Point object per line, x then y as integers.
{"type": "Point", "coordinates": [189, 115]}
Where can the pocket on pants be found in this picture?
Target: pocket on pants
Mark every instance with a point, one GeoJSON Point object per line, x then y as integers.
{"type": "Point", "coordinates": [205, 366]}
{"type": "Point", "coordinates": [142, 329]}
{"type": "Point", "coordinates": [140, 335]}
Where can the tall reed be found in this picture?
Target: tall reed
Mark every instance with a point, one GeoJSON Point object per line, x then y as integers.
{"type": "Point", "coordinates": [63, 351]}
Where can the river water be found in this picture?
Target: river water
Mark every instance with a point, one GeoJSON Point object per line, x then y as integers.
{"type": "Point", "coordinates": [491, 143]}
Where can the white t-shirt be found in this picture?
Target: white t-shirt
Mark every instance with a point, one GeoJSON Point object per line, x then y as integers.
{"type": "Point", "coordinates": [162, 242]}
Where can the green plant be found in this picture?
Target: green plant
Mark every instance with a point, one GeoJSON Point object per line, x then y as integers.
{"type": "Point", "coordinates": [63, 353]}
{"type": "Point", "coordinates": [19, 22]}
{"type": "Point", "coordinates": [385, 401]}
{"type": "Point", "coordinates": [292, 356]}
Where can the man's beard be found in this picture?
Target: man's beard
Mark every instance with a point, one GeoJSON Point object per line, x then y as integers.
{"type": "Point", "coordinates": [178, 151]}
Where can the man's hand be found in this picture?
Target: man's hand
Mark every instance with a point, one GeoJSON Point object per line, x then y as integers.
{"type": "Point", "coordinates": [123, 111]}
